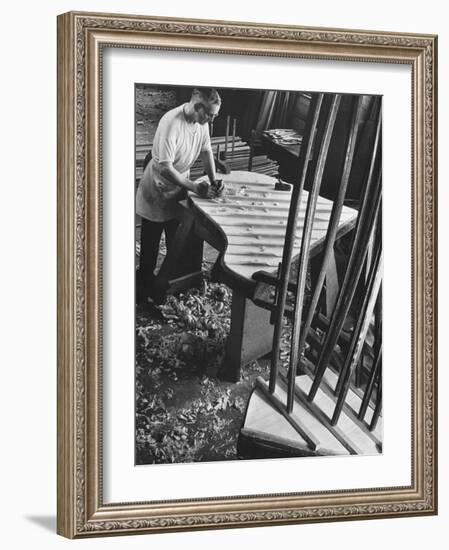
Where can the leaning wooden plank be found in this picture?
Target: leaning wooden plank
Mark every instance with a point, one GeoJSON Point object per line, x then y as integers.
{"type": "Point", "coordinates": [305, 247]}
{"type": "Point", "coordinates": [271, 435]}
{"type": "Point", "coordinates": [352, 404]}
{"type": "Point", "coordinates": [348, 427]}
{"type": "Point", "coordinates": [359, 333]}
{"type": "Point", "coordinates": [373, 377]}
{"type": "Point", "coordinates": [296, 418]}
{"type": "Point", "coordinates": [378, 408]}
{"type": "Point", "coordinates": [365, 223]}
{"type": "Point", "coordinates": [272, 418]}
{"type": "Point", "coordinates": [322, 414]}
{"type": "Point", "coordinates": [338, 212]}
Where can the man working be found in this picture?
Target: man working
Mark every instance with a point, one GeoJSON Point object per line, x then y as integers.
{"type": "Point", "coordinates": [181, 136]}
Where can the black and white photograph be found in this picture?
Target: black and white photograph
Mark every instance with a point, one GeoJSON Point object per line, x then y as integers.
{"type": "Point", "coordinates": [258, 274]}
{"type": "Point", "coordinates": [223, 318]}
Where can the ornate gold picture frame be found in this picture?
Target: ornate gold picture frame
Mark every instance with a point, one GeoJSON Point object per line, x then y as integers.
{"type": "Point", "coordinates": [82, 508]}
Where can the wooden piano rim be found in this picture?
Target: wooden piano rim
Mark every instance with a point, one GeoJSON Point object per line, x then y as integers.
{"type": "Point", "coordinates": [231, 278]}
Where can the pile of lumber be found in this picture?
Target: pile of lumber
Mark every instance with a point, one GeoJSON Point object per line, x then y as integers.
{"type": "Point", "coordinates": [234, 151]}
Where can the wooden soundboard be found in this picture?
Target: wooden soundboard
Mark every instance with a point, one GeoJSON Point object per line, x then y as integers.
{"type": "Point", "coordinates": [252, 216]}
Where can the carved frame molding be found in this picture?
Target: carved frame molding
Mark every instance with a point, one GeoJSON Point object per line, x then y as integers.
{"type": "Point", "coordinates": [81, 38]}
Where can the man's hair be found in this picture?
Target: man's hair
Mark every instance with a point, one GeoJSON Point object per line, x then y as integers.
{"type": "Point", "coordinates": [209, 95]}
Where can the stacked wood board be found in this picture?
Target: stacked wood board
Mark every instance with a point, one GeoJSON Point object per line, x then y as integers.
{"type": "Point", "coordinates": [236, 155]}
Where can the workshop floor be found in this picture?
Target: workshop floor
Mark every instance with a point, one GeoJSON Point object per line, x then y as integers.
{"type": "Point", "coordinates": [184, 412]}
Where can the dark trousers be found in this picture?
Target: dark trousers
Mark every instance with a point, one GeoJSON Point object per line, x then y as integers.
{"type": "Point", "coordinates": [150, 239]}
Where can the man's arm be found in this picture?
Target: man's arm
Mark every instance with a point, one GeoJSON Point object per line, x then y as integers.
{"type": "Point", "coordinates": [169, 171]}
{"type": "Point", "coordinates": [208, 161]}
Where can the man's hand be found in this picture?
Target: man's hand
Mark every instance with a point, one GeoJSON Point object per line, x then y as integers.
{"type": "Point", "coordinates": [210, 190]}
{"type": "Point", "coordinates": [202, 188]}
{"type": "Point", "coordinates": [217, 187]}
